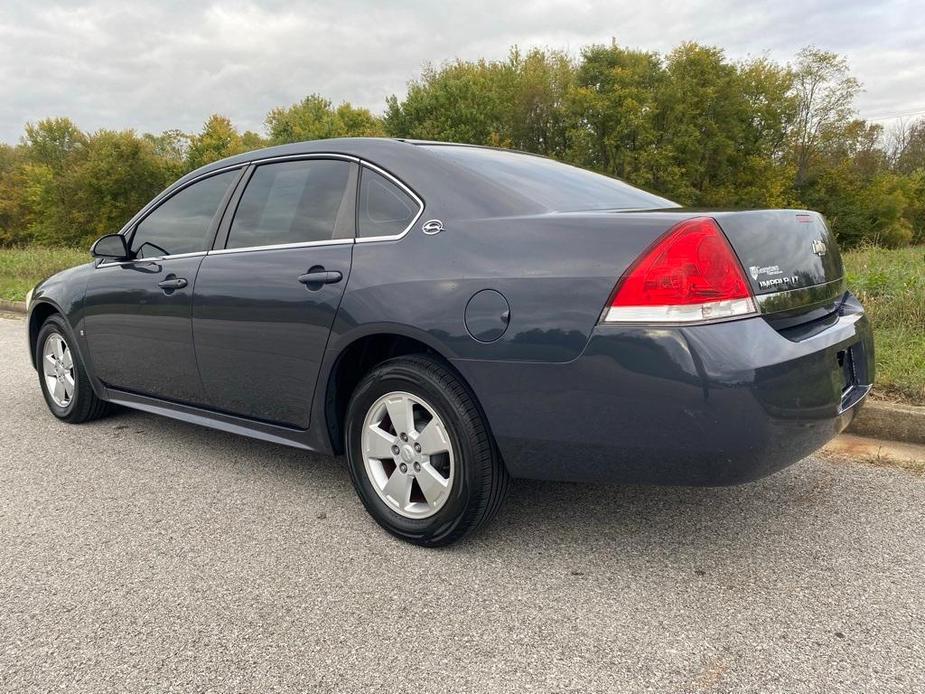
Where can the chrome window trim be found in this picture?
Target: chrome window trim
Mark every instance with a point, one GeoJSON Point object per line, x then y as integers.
{"type": "Point", "coordinates": [406, 189]}
{"type": "Point", "coordinates": [154, 259]}
{"type": "Point", "coordinates": [257, 161]}
{"type": "Point", "coordinates": [282, 246]}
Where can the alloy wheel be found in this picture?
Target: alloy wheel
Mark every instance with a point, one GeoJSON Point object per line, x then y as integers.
{"type": "Point", "coordinates": [408, 454]}
{"type": "Point", "coordinates": [58, 370]}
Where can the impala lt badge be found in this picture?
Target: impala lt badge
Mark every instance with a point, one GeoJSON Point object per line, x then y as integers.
{"type": "Point", "coordinates": [819, 247]}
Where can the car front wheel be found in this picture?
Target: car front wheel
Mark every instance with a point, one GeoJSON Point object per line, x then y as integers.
{"type": "Point", "coordinates": [421, 456]}
{"type": "Point", "coordinates": [62, 376]}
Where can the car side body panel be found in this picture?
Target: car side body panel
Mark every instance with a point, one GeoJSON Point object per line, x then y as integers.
{"type": "Point", "coordinates": [140, 335]}
{"type": "Point", "coordinates": [260, 334]}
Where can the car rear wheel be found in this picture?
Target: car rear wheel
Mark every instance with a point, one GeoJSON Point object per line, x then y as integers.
{"type": "Point", "coordinates": [420, 453]}
{"type": "Point", "coordinates": [62, 376]}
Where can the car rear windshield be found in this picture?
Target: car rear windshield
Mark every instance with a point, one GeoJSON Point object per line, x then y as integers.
{"type": "Point", "coordinates": [549, 183]}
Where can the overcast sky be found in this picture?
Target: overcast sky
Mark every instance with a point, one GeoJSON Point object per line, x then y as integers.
{"type": "Point", "coordinates": [158, 65]}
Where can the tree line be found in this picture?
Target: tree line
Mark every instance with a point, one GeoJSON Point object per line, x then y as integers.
{"type": "Point", "coordinates": [690, 125]}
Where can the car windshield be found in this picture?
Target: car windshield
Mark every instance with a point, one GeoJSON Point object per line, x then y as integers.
{"type": "Point", "coordinates": [549, 183]}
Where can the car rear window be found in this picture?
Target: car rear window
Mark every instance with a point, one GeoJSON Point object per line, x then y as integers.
{"type": "Point", "coordinates": [384, 208]}
{"type": "Point", "coordinates": [549, 183]}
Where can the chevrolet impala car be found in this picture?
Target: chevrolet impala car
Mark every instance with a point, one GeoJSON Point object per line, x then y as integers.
{"type": "Point", "coordinates": [451, 317]}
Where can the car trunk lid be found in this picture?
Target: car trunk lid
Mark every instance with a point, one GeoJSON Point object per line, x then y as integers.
{"type": "Point", "coordinates": [790, 257]}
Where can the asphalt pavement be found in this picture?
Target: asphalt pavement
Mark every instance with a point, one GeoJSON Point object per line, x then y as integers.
{"type": "Point", "coordinates": [143, 554]}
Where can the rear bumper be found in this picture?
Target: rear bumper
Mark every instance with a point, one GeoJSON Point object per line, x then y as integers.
{"type": "Point", "coordinates": [700, 405]}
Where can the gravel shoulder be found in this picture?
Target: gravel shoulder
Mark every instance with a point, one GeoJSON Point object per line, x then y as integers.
{"type": "Point", "coordinates": [143, 554]}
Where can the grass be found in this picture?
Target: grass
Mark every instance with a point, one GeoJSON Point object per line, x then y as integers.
{"type": "Point", "coordinates": [23, 268]}
{"type": "Point", "coordinates": [890, 284]}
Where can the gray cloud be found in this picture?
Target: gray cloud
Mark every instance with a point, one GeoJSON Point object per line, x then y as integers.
{"type": "Point", "coordinates": [153, 66]}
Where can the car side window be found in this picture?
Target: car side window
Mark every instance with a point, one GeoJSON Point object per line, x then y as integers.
{"type": "Point", "coordinates": [293, 202]}
{"type": "Point", "coordinates": [181, 223]}
{"type": "Point", "coordinates": [384, 209]}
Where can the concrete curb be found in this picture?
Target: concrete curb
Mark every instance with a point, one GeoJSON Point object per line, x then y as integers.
{"type": "Point", "coordinates": [909, 456]}
{"type": "Point", "coordinates": [890, 421]}
{"type": "Point", "coordinates": [13, 306]}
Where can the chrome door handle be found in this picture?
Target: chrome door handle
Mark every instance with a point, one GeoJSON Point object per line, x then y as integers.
{"type": "Point", "coordinates": [175, 283]}
{"type": "Point", "coordinates": [319, 277]}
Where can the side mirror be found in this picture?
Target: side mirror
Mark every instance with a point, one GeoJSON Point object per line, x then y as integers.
{"type": "Point", "coordinates": [111, 246]}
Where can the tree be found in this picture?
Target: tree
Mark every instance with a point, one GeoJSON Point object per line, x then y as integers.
{"type": "Point", "coordinates": [172, 146]}
{"type": "Point", "coordinates": [458, 102]}
{"type": "Point", "coordinates": [518, 102]}
{"type": "Point", "coordinates": [117, 175]}
{"type": "Point", "coordinates": [535, 87]}
{"type": "Point", "coordinates": [53, 140]}
{"type": "Point", "coordinates": [612, 110]}
{"type": "Point", "coordinates": [825, 91]}
{"type": "Point", "coordinates": [14, 209]}
{"type": "Point", "coordinates": [217, 139]}
{"type": "Point", "coordinates": [907, 146]}
{"type": "Point", "coordinates": [315, 118]}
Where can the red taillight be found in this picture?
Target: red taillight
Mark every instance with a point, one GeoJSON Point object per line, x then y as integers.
{"type": "Point", "coordinates": [691, 274]}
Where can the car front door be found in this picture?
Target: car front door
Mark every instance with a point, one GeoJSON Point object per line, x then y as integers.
{"type": "Point", "coordinates": [138, 322]}
{"type": "Point", "coordinates": [265, 299]}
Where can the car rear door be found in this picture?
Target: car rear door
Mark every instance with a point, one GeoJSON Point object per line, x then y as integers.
{"type": "Point", "coordinates": [138, 323]}
{"type": "Point", "coordinates": [266, 296]}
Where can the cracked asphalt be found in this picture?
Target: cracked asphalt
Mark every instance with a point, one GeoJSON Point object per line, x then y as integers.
{"type": "Point", "coordinates": [143, 554]}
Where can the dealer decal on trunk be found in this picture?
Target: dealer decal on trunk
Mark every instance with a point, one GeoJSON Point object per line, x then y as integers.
{"type": "Point", "coordinates": [773, 272]}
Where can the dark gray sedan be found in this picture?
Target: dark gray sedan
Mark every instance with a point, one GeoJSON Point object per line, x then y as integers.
{"type": "Point", "coordinates": [453, 316]}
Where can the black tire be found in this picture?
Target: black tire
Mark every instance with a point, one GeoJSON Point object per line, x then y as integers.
{"type": "Point", "coordinates": [480, 481]}
{"type": "Point", "coordinates": [84, 405]}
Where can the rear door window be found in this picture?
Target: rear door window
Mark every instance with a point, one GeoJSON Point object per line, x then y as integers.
{"type": "Point", "coordinates": [384, 209]}
{"type": "Point", "coordinates": [293, 202]}
{"type": "Point", "coordinates": [181, 224]}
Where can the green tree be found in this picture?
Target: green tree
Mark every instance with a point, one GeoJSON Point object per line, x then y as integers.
{"type": "Point", "coordinates": [53, 141]}
{"type": "Point", "coordinates": [217, 139]}
{"type": "Point", "coordinates": [459, 102]}
{"type": "Point", "coordinates": [825, 92]}
{"type": "Point", "coordinates": [117, 175]}
{"type": "Point", "coordinates": [14, 209]}
{"type": "Point", "coordinates": [172, 146]}
{"type": "Point", "coordinates": [315, 118]}
{"type": "Point", "coordinates": [612, 109]}
{"type": "Point", "coordinates": [907, 147]}
{"type": "Point", "coordinates": [518, 102]}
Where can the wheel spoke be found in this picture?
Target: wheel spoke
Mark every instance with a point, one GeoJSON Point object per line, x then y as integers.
{"type": "Point", "coordinates": [68, 385]}
{"type": "Point", "coordinates": [433, 438]}
{"type": "Point", "coordinates": [48, 364]}
{"type": "Point", "coordinates": [398, 488]}
{"type": "Point", "coordinates": [68, 361]}
{"type": "Point", "coordinates": [401, 414]}
{"type": "Point", "coordinates": [379, 443]}
{"type": "Point", "coordinates": [58, 346]}
{"type": "Point", "coordinates": [58, 392]}
{"type": "Point", "coordinates": [431, 483]}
